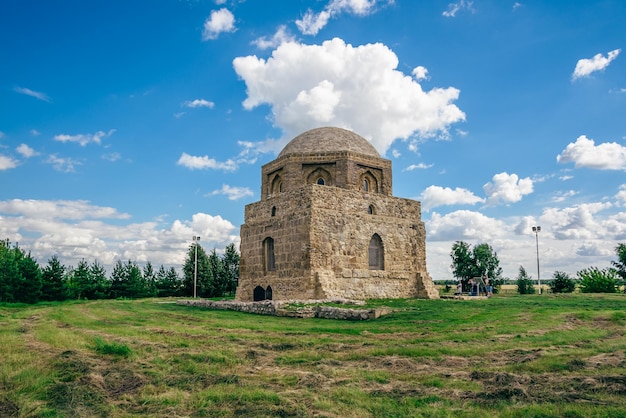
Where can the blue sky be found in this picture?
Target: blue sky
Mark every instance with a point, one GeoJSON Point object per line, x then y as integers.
{"type": "Point", "coordinates": [128, 127]}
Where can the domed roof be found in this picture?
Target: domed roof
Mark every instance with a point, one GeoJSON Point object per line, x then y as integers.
{"type": "Point", "coordinates": [328, 139]}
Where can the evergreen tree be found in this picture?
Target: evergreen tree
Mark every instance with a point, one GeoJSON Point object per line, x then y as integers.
{"type": "Point", "coordinates": [99, 285]}
{"type": "Point", "coordinates": [54, 285]}
{"type": "Point", "coordinates": [149, 277]}
{"type": "Point", "coordinates": [167, 282]}
{"type": "Point", "coordinates": [524, 282]}
{"type": "Point", "coordinates": [10, 276]}
{"type": "Point", "coordinates": [29, 289]}
{"type": "Point", "coordinates": [219, 284]}
{"type": "Point", "coordinates": [80, 281]}
{"type": "Point", "coordinates": [135, 284]}
{"type": "Point", "coordinates": [118, 279]}
{"type": "Point", "coordinates": [231, 268]}
{"type": "Point", "coordinates": [620, 264]}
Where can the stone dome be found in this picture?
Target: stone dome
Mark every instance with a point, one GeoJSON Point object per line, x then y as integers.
{"type": "Point", "coordinates": [329, 139]}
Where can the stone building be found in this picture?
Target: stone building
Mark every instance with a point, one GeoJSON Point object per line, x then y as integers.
{"type": "Point", "coordinates": [328, 227]}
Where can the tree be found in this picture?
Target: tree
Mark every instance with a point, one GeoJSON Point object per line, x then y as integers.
{"type": "Point", "coordinates": [231, 268]}
{"type": "Point", "coordinates": [54, 284]}
{"type": "Point", "coordinates": [29, 288]}
{"type": "Point", "coordinates": [594, 280]}
{"type": "Point", "coordinates": [80, 281]}
{"type": "Point", "coordinates": [477, 262]}
{"type": "Point", "coordinates": [620, 264]}
{"type": "Point", "coordinates": [168, 283]}
{"type": "Point", "coordinates": [524, 282]}
{"type": "Point", "coordinates": [99, 284]}
{"type": "Point", "coordinates": [219, 283]}
{"type": "Point", "coordinates": [562, 283]}
{"type": "Point", "coordinates": [149, 277]}
{"type": "Point", "coordinates": [10, 276]}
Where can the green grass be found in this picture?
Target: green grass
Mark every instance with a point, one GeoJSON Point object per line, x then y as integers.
{"type": "Point", "coordinates": [535, 355]}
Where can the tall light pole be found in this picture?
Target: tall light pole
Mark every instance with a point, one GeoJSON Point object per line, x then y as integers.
{"type": "Point", "coordinates": [536, 230]}
{"type": "Point", "coordinates": [195, 265]}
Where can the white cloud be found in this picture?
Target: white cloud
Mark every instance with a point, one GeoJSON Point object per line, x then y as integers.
{"type": "Point", "coordinates": [199, 103]}
{"type": "Point", "coordinates": [517, 5]}
{"type": "Point", "coordinates": [67, 165]}
{"type": "Point", "coordinates": [204, 162]}
{"type": "Point", "coordinates": [434, 196]}
{"type": "Point", "coordinates": [357, 88]}
{"type": "Point", "coordinates": [464, 225]}
{"type": "Point", "coordinates": [507, 188]}
{"type": "Point", "coordinates": [35, 132]}
{"type": "Point", "coordinates": [74, 230]}
{"type": "Point", "coordinates": [113, 156]}
{"type": "Point", "coordinates": [220, 21]}
{"type": "Point", "coordinates": [586, 66]}
{"type": "Point", "coordinates": [454, 8]}
{"type": "Point", "coordinates": [584, 153]}
{"type": "Point", "coordinates": [26, 151]}
{"type": "Point", "coordinates": [36, 94]}
{"type": "Point", "coordinates": [620, 197]}
{"type": "Point", "coordinates": [84, 139]}
{"type": "Point", "coordinates": [233, 193]}
{"type": "Point", "coordinates": [7, 163]}
{"type": "Point", "coordinates": [563, 196]}
{"type": "Point", "coordinates": [420, 166]}
{"type": "Point", "coordinates": [420, 73]}
{"type": "Point", "coordinates": [311, 23]}
{"type": "Point", "coordinates": [578, 222]}
{"type": "Point", "coordinates": [281, 36]}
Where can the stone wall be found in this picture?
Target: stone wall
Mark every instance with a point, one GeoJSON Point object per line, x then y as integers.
{"type": "Point", "coordinates": [283, 308]}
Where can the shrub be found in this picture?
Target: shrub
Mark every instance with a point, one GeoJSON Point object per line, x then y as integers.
{"type": "Point", "coordinates": [524, 284]}
{"type": "Point", "coordinates": [562, 283]}
{"type": "Point", "coordinates": [594, 280]}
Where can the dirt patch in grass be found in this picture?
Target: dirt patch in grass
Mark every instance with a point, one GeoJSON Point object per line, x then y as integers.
{"type": "Point", "coordinates": [8, 408]}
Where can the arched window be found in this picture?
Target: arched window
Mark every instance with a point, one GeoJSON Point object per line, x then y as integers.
{"type": "Point", "coordinates": [258, 294]}
{"type": "Point", "coordinates": [370, 209]}
{"type": "Point", "coordinates": [376, 254]}
{"type": "Point", "coordinates": [366, 185]}
{"type": "Point", "coordinates": [277, 185]}
{"type": "Point", "coordinates": [273, 210]}
{"type": "Point", "coordinates": [268, 293]}
{"type": "Point", "coordinates": [369, 183]}
{"type": "Point", "coordinates": [319, 176]}
{"type": "Point", "coordinates": [268, 254]}
{"type": "Point", "coordinates": [320, 181]}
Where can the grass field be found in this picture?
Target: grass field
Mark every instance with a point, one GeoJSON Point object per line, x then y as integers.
{"type": "Point", "coordinates": [543, 356]}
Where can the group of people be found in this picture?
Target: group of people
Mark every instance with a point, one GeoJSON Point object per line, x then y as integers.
{"type": "Point", "coordinates": [476, 285]}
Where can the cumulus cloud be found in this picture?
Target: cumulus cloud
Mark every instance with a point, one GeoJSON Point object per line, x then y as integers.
{"type": "Point", "coordinates": [233, 193]}
{"type": "Point", "coordinates": [357, 88]}
{"type": "Point", "coordinates": [420, 73]}
{"type": "Point", "coordinates": [281, 36]}
{"type": "Point", "coordinates": [219, 21]}
{"type": "Point", "coordinates": [7, 163]}
{"type": "Point", "coordinates": [202, 163]}
{"type": "Point", "coordinates": [311, 23]}
{"type": "Point", "coordinates": [199, 103]}
{"type": "Point", "coordinates": [434, 196]}
{"type": "Point", "coordinates": [36, 94]}
{"type": "Point", "coordinates": [74, 230]}
{"type": "Point", "coordinates": [84, 139]}
{"type": "Point", "coordinates": [584, 153]}
{"type": "Point", "coordinates": [26, 151]}
{"type": "Point", "coordinates": [507, 188]}
{"type": "Point", "coordinates": [620, 197]}
{"type": "Point", "coordinates": [578, 222]}
{"type": "Point", "coordinates": [464, 225]}
{"type": "Point", "coordinates": [587, 66]}
{"type": "Point", "coordinates": [454, 8]}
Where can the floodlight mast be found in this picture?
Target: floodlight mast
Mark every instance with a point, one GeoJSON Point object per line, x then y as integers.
{"type": "Point", "coordinates": [195, 265]}
{"type": "Point", "coordinates": [536, 230]}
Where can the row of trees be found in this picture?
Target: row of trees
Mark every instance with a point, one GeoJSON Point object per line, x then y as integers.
{"type": "Point", "coordinates": [482, 260]}
{"type": "Point", "coordinates": [22, 279]}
